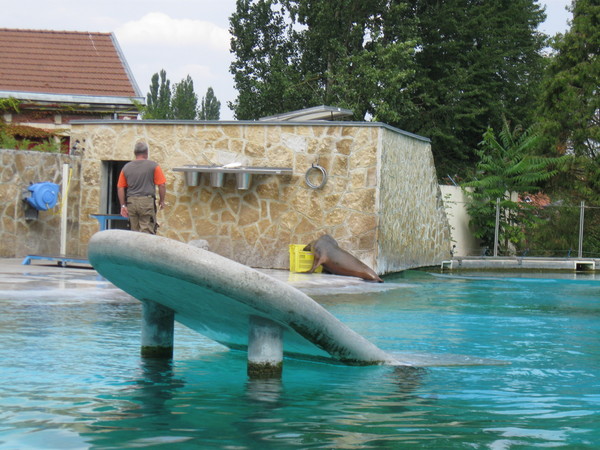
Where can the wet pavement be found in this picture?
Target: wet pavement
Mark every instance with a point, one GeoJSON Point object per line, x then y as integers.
{"type": "Point", "coordinates": [39, 274]}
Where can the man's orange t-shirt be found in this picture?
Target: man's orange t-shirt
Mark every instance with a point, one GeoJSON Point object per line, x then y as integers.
{"type": "Point", "coordinates": [159, 178]}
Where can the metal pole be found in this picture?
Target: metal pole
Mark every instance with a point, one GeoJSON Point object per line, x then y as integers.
{"type": "Point", "coordinates": [581, 217]}
{"type": "Point", "coordinates": [497, 229]}
{"type": "Point", "coordinates": [63, 210]}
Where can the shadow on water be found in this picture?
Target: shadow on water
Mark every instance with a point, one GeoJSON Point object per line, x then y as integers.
{"type": "Point", "coordinates": [156, 385]}
{"type": "Point", "coordinates": [211, 403]}
{"type": "Point", "coordinates": [408, 379]}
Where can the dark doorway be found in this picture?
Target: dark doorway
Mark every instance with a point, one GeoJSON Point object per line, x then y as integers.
{"type": "Point", "coordinates": [112, 169]}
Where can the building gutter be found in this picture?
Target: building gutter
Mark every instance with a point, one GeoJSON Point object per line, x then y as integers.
{"type": "Point", "coordinates": [89, 100]}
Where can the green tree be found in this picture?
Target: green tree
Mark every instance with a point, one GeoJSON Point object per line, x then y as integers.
{"type": "Point", "coordinates": [478, 61]}
{"type": "Point", "coordinates": [162, 102]}
{"type": "Point", "coordinates": [210, 107]}
{"type": "Point", "coordinates": [184, 100]}
{"type": "Point", "coordinates": [158, 100]}
{"type": "Point", "coordinates": [293, 54]}
{"type": "Point", "coordinates": [261, 66]}
{"type": "Point", "coordinates": [570, 101]}
{"type": "Point", "coordinates": [444, 69]}
{"type": "Point", "coordinates": [360, 52]}
{"type": "Point", "coordinates": [507, 167]}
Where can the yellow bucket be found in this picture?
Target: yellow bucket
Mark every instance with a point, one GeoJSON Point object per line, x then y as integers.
{"type": "Point", "coordinates": [301, 261]}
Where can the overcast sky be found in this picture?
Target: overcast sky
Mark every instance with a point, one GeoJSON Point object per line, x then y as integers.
{"type": "Point", "coordinates": [181, 36]}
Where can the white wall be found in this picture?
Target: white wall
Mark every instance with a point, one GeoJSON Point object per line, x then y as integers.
{"type": "Point", "coordinates": [455, 203]}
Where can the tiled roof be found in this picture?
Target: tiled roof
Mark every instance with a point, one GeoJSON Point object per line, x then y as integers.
{"type": "Point", "coordinates": [63, 62]}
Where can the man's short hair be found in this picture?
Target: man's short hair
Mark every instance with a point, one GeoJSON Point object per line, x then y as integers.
{"type": "Point", "coordinates": [140, 148]}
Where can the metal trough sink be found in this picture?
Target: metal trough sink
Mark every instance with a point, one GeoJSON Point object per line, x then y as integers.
{"type": "Point", "coordinates": [243, 174]}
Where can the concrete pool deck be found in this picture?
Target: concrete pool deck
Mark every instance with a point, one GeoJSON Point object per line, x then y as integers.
{"type": "Point", "coordinates": [310, 284]}
{"type": "Point", "coordinates": [521, 263]}
{"type": "Point", "coordinates": [47, 272]}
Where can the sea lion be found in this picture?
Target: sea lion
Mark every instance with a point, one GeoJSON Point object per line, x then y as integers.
{"type": "Point", "coordinates": [337, 261]}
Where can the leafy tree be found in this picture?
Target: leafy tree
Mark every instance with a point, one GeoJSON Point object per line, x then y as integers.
{"type": "Point", "coordinates": [478, 61]}
{"type": "Point", "coordinates": [158, 100]}
{"type": "Point", "coordinates": [210, 107]}
{"type": "Point", "coordinates": [444, 69]}
{"type": "Point", "coordinates": [570, 101]}
{"type": "Point", "coordinates": [292, 54]}
{"type": "Point", "coordinates": [361, 53]}
{"type": "Point", "coordinates": [570, 97]}
{"type": "Point", "coordinates": [261, 67]}
{"type": "Point", "coordinates": [184, 100]}
{"type": "Point", "coordinates": [507, 167]}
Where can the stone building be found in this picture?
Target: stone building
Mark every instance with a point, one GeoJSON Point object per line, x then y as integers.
{"type": "Point", "coordinates": [379, 196]}
{"type": "Point", "coordinates": [294, 177]}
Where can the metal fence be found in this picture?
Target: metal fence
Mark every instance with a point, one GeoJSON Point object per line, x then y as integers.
{"type": "Point", "coordinates": [557, 230]}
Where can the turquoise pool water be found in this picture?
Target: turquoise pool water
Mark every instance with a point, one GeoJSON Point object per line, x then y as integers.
{"type": "Point", "coordinates": [72, 377]}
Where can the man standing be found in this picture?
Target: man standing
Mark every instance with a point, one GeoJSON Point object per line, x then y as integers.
{"type": "Point", "coordinates": [140, 177]}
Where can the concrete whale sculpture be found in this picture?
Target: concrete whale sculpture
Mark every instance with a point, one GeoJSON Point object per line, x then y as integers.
{"type": "Point", "coordinates": [337, 261]}
{"type": "Point", "coordinates": [227, 301]}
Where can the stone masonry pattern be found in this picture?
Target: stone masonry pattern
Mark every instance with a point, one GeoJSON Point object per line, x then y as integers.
{"type": "Point", "coordinates": [380, 202]}
{"type": "Point", "coordinates": [20, 236]}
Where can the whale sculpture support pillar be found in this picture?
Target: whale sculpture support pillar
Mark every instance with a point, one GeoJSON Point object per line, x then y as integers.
{"type": "Point", "coordinates": [157, 330]}
{"type": "Point", "coordinates": [265, 348]}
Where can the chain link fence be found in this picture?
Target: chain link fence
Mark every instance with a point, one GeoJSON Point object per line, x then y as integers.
{"type": "Point", "coordinates": [555, 230]}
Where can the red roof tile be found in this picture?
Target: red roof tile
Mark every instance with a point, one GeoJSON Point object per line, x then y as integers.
{"type": "Point", "coordinates": [63, 62]}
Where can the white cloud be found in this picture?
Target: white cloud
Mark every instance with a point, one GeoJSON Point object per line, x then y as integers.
{"type": "Point", "coordinates": [197, 71]}
{"type": "Point", "coordinates": [157, 28]}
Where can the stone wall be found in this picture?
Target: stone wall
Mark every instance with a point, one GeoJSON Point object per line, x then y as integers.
{"type": "Point", "coordinates": [381, 200]}
{"type": "Point", "coordinates": [413, 227]}
{"type": "Point", "coordinates": [20, 236]}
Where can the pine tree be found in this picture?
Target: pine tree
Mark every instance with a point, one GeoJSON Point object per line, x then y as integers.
{"type": "Point", "coordinates": [570, 106]}
{"type": "Point", "coordinates": [210, 107]}
{"type": "Point", "coordinates": [158, 100]}
{"type": "Point", "coordinates": [184, 100]}
{"type": "Point", "coordinates": [162, 102]}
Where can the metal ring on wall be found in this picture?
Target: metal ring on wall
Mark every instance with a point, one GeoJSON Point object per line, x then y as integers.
{"type": "Point", "coordinates": [323, 175]}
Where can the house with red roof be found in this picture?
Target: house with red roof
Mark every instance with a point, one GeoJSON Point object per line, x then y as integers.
{"type": "Point", "coordinates": [50, 78]}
